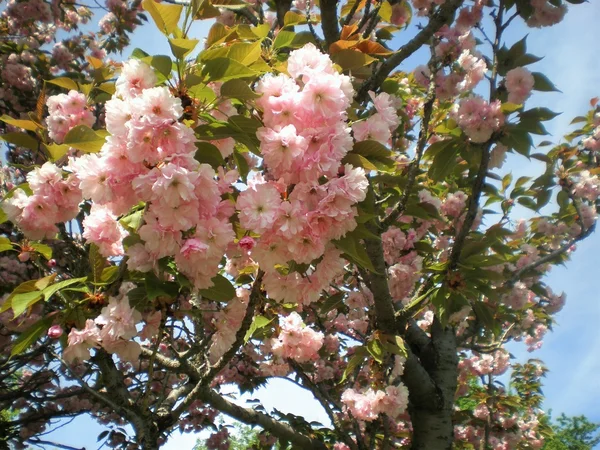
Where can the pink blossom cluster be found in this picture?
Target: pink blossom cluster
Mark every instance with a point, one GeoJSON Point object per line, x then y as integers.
{"type": "Point", "coordinates": [355, 322]}
{"type": "Point", "coordinates": [19, 76]}
{"type": "Point", "coordinates": [381, 125]}
{"type": "Point", "coordinates": [12, 271]}
{"type": "Point", "coordinates": [478, 118]}
{"type": "Point", "coordinates": [149, 158]}
{"type": "Point", "coordinates": [54, 199]}
{"type": "Point", "coordinates": [66, 111]}
{"type": "Point", "coordinates": [403, 275]}
{"type": "Point", "coordinates": [546, 14]}
{"type": "Point", "coordinates": [465, 75]}
{"type": "Point", "coordinates": [588, 186]}
{"type": "Point", "coordinates": [113, 329]}
{"type": "Point", "coordinates": [454, 204]}
{"type": "Point", "coordinates": [305, 134]}
{"type": "Point", "coordinates": [227, 323]}
{"type": "Point", "coordinates": [313, 200]}
{"type": "Point", "coordinates": [304, 289]}
{"type": "Point", "coordinates": [519, 83]}
{"type": "Point", "coordinates": [368, 404]}
{"type": "Point", "coordinates": [296, 340]}
{"type": "Point", "coordinates": [396, 242]}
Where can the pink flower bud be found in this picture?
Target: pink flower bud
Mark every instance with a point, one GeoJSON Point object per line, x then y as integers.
{"type": "Point", "coordinates": [24, 256]}
{"type": "Point", "coordinates": [247, 243]}
{"type": "Point", "coordinates": [55, 331]}
{"type": "Point", "coordinates": [52, 263]}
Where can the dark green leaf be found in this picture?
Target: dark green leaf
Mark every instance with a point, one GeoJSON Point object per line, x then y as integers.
{"type": "Point", "coordinates": [30, 336]}
{"type": "Point", "coordinates": [221, 291]}
{"type": "Point", "coordinates": [258, 323]}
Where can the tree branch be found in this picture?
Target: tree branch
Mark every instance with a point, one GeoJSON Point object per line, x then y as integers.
{"type": "Point", "coordinates": [329, 21]}
{"type": "Point", "coordinates": [443, 16]}
{"type": "Point", "coordinates": [251, 417]}
{"type": "Point", "coordinates": [413, 169]}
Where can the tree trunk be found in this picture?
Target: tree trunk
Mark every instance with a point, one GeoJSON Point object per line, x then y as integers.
{"type": "Point", "coordinates": [432, 424]}
{"type": "Point", "coordinates": [432, 430]}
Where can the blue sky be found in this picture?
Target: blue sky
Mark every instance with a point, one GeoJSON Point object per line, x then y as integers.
{"type": "Point", "coordinates": [571, 350]}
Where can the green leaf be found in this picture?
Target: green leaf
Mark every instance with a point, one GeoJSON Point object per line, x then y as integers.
{"type": "Point", "coordinates": [158, 288]}
{"type": "Point", "coordinates": [349, 59]}
{"type": "Point", "coordinates": [376, 350]}
{"type": "Point", "coordinates": [293, 18]}
{"type": "Point", "coordinates": [230, 4]}
{"type": "Point", "coordinates": [293, 40]}
{"type": "Point", "coordinates": [85, 139]}
{"type": "Point", "coordinates": [238, 89]}
{"type": "Point", "coordinates": [20, 140]}
{"type": "Point", "coordinates": [26, 286]}
{"type": "Point", "coordinates": [484, 313]}
{"type": "Point", "coordinates": [443, 162]}
{"type": "Point", "coordinates": [109, 274]}
{"type": "Point", "coordinates": [354, 251]}
{"type": "Point", "coordinates": [245, 53]}
{"type": "Point", "coordinates": [539, 114]}
{"type": "Point", "coordinates": [221, 291]}
{"type": "Point", "coordinates": [241, 164]}
{"type": "Point", "coordinates": [30, 336]}
{"type": "Point", "coordinates": [359, 357]}
{"type": "Point", "coordinates": [162, 63]}
{"type": "Point", "coordinates": [508, 108]}
{"type": "Point", "coordinates": [5, 243]}
{"type": "Point", "coordinates": [182, 47]}
{"type": "Point", "coordinates": [28, 125]}
{"type": "Point", "coordinates": [223, 69]}
{"type": "Point", "coordinates": [56, 151]}
{"type": "Point", "coordinates": [333, 302]}
{"type": "Point", "coordinates": [20, 302]}
{"type": "Point", "coordinates": [258, 323]}
{"type": "Point", "coordinates": [49, 291]}
{"type": "Point", "coordinates": [132, 221]}
{"type": "Point", "coordinates": [66, 83]}
{"type": "Point", "coordinates": [166, 17]}
{"type": "Point", "coordinates": [542, 83]}
{"type": "Point", "coordinates": [42, 249]}
{"type": "Point", "coordinates": [97, 263]}
{"type": "Point", "coordinates": [385, 12]}
{"type": "Point", "coordinates": [208, 153]}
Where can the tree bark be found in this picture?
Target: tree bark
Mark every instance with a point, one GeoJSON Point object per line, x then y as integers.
{"type": "Point", "coordinates": [432, 430]}
{"type": "Point", "coordinates": [432, 424]}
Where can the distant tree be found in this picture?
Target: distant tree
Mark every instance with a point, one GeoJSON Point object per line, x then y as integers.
{"type": "Point", "coordinates": [243, 437]}
{"type": "Point", "coordinates": [573, 433]}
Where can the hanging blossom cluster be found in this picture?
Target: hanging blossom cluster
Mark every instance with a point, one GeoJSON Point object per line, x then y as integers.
{"type": "Point", "coordinates": [519, 83]}
{"type": "Point", "coordinates": [307, 197]}
{"type": "Point", "coordinates": [66, 111]}
{"type": "Point", "coordinates": [149, 158]}
{"type": "Point", "coordinates": [112, 330]}
{"type": "Point", "coordinates": [296, 340]}
{"type": "Point", "coordinates": [478, 118]}
{"type": "Point", "coordinates": [55, 199]}
{"type": "Point", "coordinates": [368, 404]}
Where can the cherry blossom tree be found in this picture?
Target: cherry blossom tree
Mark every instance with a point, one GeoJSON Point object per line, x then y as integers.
{"type": "Point", "coordinates": [289, 201]}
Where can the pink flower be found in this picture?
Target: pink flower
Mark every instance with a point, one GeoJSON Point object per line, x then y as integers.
{"type": "Point", "coordinates": [478, 118]}
{"type": "Point", "coordinates": [247, 243]}
{"type": "Point", "coordinates": [80, 342]}
{"type": "Point", "coordinates": [118, 320]}
{"type": "Point", "coordinates": [296, 340]}
{"type": "Point", "coordinates": [519, 83]}
{"type": "Point", "coordinates": [101, 228]}
{"type": "Point", "coordinates": [135, 77]}
{"type": "Point", "coordinates": [55, 331]}
{"type": "Point", "coordinates": [259, 207]}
